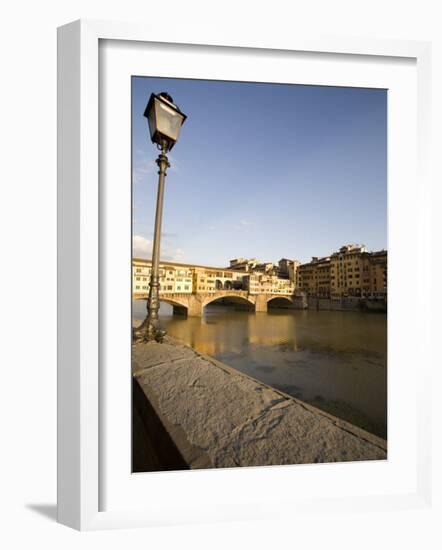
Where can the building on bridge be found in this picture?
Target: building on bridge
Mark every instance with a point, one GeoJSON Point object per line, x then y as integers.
{"type": "Point", "coordinates": [244, 264]}
{"type": "Point", "coordinates": [213, 279]}
{"type": "Point", "coordinates": [173, 277]}
{"type": "Point", "coordinates": [184, 278]}
{"type": "Point", "coordinates": [190, 288]}
{"type": "Point", "coordinates": [288, 269]}
{"type": "Point", "coordinates": [285, 269]}
{"type": "Point", "coordinates": [262, 283]}
{"type": "Point", "coordinates": [196, 279]}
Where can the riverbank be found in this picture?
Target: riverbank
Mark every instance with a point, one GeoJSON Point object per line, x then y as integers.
{"type": "Point", "coordinates": [341, 304]}
{"type": "Point", "coordinates": [192, 411]}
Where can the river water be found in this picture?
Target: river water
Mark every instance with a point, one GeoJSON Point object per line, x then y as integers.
{"type": "Point", "coordinates": [334, 360]}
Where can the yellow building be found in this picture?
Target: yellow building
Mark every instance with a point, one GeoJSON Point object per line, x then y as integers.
{"type": "Point", "coordinates": [349, 272]}
{"type": "Point", "coordinates": [314, 277]}
{"type": "Point", "coordinates": [356, 272]}
{"type": "Point", "coordinates": [288, 269]}
{"type": "Point", "coordinates": [184, 278]}
{"type": "Point", "coordinates": [375, 275]}
{"type": "Point", "coordinates": [173, 277]}
{"type": "Point", "coordinates": [140, 276]}
{"type": "Point", "coordinates": [188, 278]}
{"type": "Point", "coordinates": [346, 271]}
{"type": "Point", "coordinates": [261, 283]}
{"type": "Point", "coordinates": [213, 279]}
{"type": "Point", "coordinates": [244, 264]}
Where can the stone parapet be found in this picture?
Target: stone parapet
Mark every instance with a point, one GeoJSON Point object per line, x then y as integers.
{"type": "Point", "coordinates": [208, 415]}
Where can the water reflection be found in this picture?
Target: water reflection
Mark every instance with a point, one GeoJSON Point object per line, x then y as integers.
{"type": "Point", "coordinates": [335, 360]}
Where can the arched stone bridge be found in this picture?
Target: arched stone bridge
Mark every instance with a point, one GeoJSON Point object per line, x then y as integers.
{"type": "Point", "coordinates": [193, 304]}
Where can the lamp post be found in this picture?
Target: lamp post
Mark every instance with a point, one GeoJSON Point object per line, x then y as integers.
{"type": "Point", "coordinates": [165, 120]}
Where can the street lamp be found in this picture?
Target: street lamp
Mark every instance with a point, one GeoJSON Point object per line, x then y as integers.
{"type": "Point", "coordinates": [165, 120]}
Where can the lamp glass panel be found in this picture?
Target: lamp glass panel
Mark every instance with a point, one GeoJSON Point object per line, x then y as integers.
{"type": "Point", "coordinates": [168, 121]}
{"type": "Point", "coordinates": [151, 121]}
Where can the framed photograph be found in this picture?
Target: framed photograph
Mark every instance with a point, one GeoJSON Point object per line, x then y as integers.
{"type": "Point", "coordinates": [235, 227]}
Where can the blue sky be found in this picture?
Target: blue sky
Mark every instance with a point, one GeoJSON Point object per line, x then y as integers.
{"type": "Point", "coordinates": [263, 170]}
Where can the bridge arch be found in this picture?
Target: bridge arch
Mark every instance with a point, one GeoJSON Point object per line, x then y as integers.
{"type": "Point", "coordinates": [180, 306]}
{"type": "Point", "coordinates": [174, 302]}
{"type": "Point", "coordinates": [235, 297]}
{"type": "Point", "coordinates": [180, 300]}
{"type": "Point", "coordinates": [283, 301]}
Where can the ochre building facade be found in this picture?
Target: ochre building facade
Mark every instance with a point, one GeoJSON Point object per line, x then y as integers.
{"type": "Point", "coordinates": [349, 272]}
{"type": "Point", "coordinates": [196, 279]}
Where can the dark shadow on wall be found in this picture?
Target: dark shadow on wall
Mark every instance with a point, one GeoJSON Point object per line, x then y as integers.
{"type": "Point", "coordinates": [153, 449]}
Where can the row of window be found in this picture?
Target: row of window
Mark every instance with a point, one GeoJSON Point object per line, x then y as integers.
{"type": "Point", "coordinates": [163, 287]}
{"type": "Point", "coordinates": [179, 272]}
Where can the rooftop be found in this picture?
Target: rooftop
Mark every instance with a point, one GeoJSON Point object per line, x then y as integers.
{"type": "Point", "coordinates": [179, 264]}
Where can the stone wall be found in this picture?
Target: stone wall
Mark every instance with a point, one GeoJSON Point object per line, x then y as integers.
{"type": "Point", "coordinates": [342, 304]}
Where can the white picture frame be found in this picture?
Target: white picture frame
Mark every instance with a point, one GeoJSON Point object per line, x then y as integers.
{"type": "Point", "coordinates": [80, 438]}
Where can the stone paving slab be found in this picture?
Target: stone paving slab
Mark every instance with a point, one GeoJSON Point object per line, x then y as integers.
{"type": "Point", "coordinates": [219, 417]}
{"type": "Point", "coordinates": [153, 354]}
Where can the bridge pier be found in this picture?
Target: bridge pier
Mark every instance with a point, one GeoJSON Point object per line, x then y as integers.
{"type": "Point", "coordinates": [261, 303]}
{"type": "Point", "coordinates": [195, 308]}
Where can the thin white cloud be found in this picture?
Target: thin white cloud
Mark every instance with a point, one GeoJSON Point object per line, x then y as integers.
{"type": "Point", "coordinates": [178, 254]}
{"type": "Point", "coordinates": [174, 164]}
{"type": "Point", "coordinates": [142, 248]}
{"type": "Point", "coordinates": [143, 170]}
